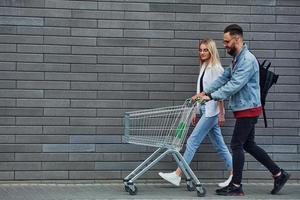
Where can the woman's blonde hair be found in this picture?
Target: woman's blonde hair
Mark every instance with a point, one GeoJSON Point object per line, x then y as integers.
{"type": "Point", "coordinates": [212, 49]}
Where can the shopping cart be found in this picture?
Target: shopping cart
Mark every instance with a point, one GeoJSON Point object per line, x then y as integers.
{"type": "Point", "coordinates": [165, 128]}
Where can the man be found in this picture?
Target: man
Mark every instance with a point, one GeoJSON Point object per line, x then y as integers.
{"type": "Point", "coordinates": [240, 83]}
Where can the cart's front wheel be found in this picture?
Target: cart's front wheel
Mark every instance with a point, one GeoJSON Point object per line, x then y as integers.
{"type": "Point", "coordinates": [201, 191]}
{"type": "Point", "coordinates": [132, 190]}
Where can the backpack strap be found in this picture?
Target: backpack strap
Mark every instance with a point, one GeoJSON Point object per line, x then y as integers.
{"type": "Point", "coordinates": [265, 117]}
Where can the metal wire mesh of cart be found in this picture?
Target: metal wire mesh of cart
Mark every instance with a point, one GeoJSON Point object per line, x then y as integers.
{"type": "Point", "coordinates": [159, 127]}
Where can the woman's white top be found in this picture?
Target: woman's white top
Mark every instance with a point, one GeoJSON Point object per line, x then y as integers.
{"type": "Point", "coordinates": [211, 74]}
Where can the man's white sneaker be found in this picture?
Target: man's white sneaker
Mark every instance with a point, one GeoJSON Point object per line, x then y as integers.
{"type": "Point", "coordinates": [171, 177]}
{"type": "Point", "coordinates": [226, 183]}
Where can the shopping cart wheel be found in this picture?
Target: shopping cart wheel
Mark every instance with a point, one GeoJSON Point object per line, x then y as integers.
{"type": "Point", "coordinates": [200, 191]}
{"type": "Point", "coordinates": [132, 190]}
{"type": "Point", "coordinates": [126, 188]}
{"type": "Point", "coordinates": [190, 185]}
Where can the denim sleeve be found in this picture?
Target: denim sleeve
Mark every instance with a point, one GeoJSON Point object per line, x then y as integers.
{"type": "Point", "coordinates": [239, 78]}
{"type": "Point", "coordinates": [221, 80]}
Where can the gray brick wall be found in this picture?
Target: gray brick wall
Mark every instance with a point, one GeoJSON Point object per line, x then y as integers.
{"type": "Point", "coordinates": [70, 69]}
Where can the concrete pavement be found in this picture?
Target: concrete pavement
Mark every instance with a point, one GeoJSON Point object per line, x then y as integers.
{"type": "Point", "coordinates": [115, 190]}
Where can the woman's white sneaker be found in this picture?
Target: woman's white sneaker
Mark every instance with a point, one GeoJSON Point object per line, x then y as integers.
{"type": "Point", "coordinates": [171, 177]}
{"type": "Point", "coordinates": [226, 183]}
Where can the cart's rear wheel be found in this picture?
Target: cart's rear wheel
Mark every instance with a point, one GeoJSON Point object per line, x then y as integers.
{"type": "Point", "coordinates": [132, 191]}
{"type": "Point", "coordinates": [201, 191]}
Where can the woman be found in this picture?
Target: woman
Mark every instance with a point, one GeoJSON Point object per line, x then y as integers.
{"type": "Point", "coordinates": [212, 115]}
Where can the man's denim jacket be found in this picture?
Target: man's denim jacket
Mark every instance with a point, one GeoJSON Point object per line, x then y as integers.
{"type": "Point", "coordinates": [239, 83]}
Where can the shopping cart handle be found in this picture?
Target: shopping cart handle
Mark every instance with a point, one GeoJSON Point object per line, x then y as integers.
{"type": "Point", "coordinates": [198, 100]}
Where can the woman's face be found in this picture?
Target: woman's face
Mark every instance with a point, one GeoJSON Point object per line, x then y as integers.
{"type": "Point", "coordinates": [204, 54]}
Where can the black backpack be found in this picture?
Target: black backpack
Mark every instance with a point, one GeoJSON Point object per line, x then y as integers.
{"type": "Point", "coordinates": [266, 80]}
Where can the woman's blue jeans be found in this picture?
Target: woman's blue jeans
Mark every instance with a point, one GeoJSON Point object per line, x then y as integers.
{"type": "Point", "coordinates": [207, 126]}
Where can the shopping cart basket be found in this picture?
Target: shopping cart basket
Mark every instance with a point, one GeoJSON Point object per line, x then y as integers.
{"type": "Point", "coordinates": [165, 128]}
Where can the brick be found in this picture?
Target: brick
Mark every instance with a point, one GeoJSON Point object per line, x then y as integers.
{"type": "Point", "coordinates": [287, 10]}
{"type": "Point", "coordinates": [44, 139]}
{"type": "Point", "coordinates": [41, 175]}
{"type": "Point", "coordinates": [159, 16]}
{"type": "Point", "coordinates": [122, 95]}
{"type": "Point", "coordinates": [35, 12]}
{"type": "Point", "coordinates": [23, 3]}
{"type": "Point", "coordinates": [263, 9]}
{"type": "Point", "coordinates": [71, 76]}
{"type": "Point", "coordinates": [96, 68]}
{"type": "Point", "coordinates": [123, 6]}
{"type": "Point", "coordinates": [43, 67]}
{"type": "Point", "coordinates": [149, 51]}
{"type": "Point", "coordinates": [288, 36]}
{"type": "Point", "coordinates": [123, 24]}
{"type": "Point", "coordinates": [97, 32]}
{"type": "Point", "coordinates": [288, 53]}
{"type": "Point", "coordinates": [110, 112]}
{"type": "Point", "coordinates": [43, 49]}
{"type": "Point", "coordinates": [288, 3]}
{"type": "Point", "coordinates": [200, 17]}
{"type": "Point", "coordinates": [71, 4]}
{"type": "Point", "coordinates": [69, 112]}
{"type": "Point", "coordinates": [69, 130]}
{"type": "Point", "coordinates": [21, 166]}
{"type": "Point", "coordinates": [228, 9]}
{"type": "Point", "coordinates": [123, 78]}
{"type": "Point", "coordinates": [43, 102]}
{"type": "Point", "coordinates": [43, 85]}
{"type": "Point", "coordinates": [8, 48]}
{"type": "Point", "coordinates": [253, 2]}
{"type": "Point", "coordinates": [123, 59]}
{"type": "Point", "coordinates": [21, 57]}
{"type": "Point", "coordinates": [42, 121]}
{"type": "Point", "coordinates": [22, 39]}
{"type": "Point", "coordinates": [95, 174]}
{"type": "Point", "coordinates": [103, 86]}
{"type": "Point", "coordinates": [90, 14]}
{"type": "Point", "coordinates": [7, 84]}
{"type": "Point", "coordinates": [95, 103]}
{"type": "Point", "coordinates": [30, 30]}
{"type": "Point", "coordinates": [148, 69]}
{"type": "Point", "coordinates": [19, 21]}
{"type": "Point", "coordinates": [251, 18]}
{"type": "Point", "coordinates": [67, 94]}
{"type": "Point", "coordinates": [70, 40]}
{"type": "Point", "coordinates": [41, 157]}
{"type": "Point", "coordinates": [169, 95]}
{"type": "Point", "coordinates": [275, 27]}
{"type": "Point", "coordinates": [94, 121]}
{"type": "Point", "coordinates": [82, 23]}
{"type": "Point", "coordinates": [9, 93]}
{"type": "Point", "coordinates": [68, 166]}
{"type": "Point", "coordinates": [97, 50]}
{"type": "Point", "coordinates": [121, 42]}
{"type": "Point", "coordinates": [171, 43]}
{"type": "Point", "coordinates": [19, 130]}
{"type": "Point", "coordinates": [68, 147]}
{"type": "Point", "coordinates": [20, 148]}
{"type": "Point", "coordinates": [273, 45]}
{"type": "Point", "coordinates": [148, 86]}
{"type": "Point", "coordinates": [7, 66]}
{"type": "Point", "coordinates": [22, 75]}
{"type": "Point", "coordinates": [174, 60]}
{"type": "Point", "coordinates": [69, 58]}
{"type": "Point", "coordinates": [7, 139]}
{"type": "Point", "coordinates": [87, 139]}
{"type": "Point", "coordinates": [148, 34]}
{"type": "Point", "coordinates": [144, 104]}
{"type": "Point", "coordinates": [22, 111]}
{"type": "Point", "coordinates": [8, 29]}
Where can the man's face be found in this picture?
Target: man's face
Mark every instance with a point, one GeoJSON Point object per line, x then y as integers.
{"type": "Point", "coordinates": [230, 44]}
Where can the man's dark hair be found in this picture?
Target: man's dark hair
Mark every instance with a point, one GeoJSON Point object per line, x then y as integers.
{"type": "Point", "coordinates": [234, 29]}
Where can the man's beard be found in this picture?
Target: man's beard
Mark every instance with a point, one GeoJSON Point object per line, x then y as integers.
{"type": "Point", "coordinates": [232, 51]}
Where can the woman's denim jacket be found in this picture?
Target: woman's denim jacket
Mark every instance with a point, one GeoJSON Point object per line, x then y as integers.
{"type": "Point", "coordinates": [239, 83]}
